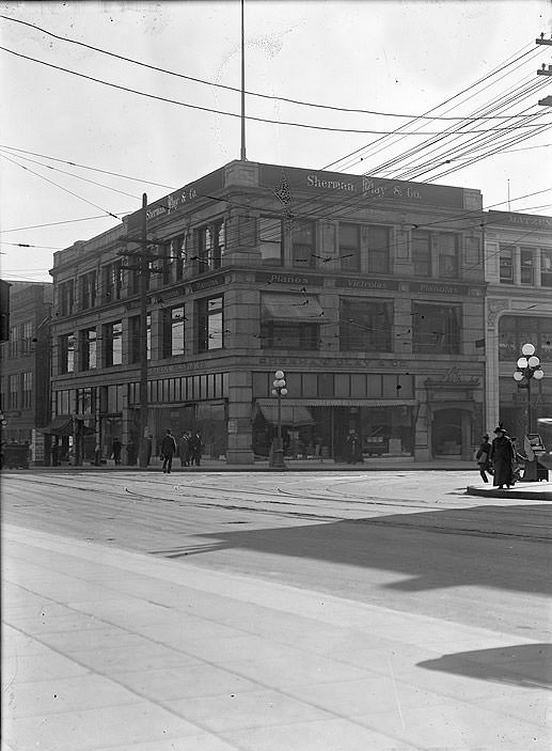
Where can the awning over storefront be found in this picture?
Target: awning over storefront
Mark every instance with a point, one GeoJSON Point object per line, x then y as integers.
{"type": "Point", "coordinates": [289, 307]}
{"type": "Point", "coordinates": [59, 426]}
{"type": "Point", "coordinates": [63, 426]}
{"type": "Point", "coordinates": [295, 416]}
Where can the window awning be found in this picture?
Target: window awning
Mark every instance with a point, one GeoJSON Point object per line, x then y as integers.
{"type": "Point", "coordinates": [290, 307]}
{"type": "Point", "coordinates": [59, 426]}
{"type": "Point", "coordinates": [290, 415]}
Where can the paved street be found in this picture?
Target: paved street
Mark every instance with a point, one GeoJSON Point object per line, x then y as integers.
{"type": "Point", "coordinates": [363, 610]}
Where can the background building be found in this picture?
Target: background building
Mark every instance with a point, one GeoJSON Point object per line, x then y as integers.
{"type": "Point", "coordinates": [518, 250]}
{"type": "Point", "coordinates": [368, 293]}
{"type": "Point", "coordinates": [25, 377]}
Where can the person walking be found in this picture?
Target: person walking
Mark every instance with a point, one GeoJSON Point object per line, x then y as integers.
{"type": "Point", "coordinates": [168, 450]}
{"type": "Point", "coordinates": [184, 449]}
{"type": "Point", "coordinates": [502, 457]}
{"type": "Point", "coordinates": [483, 458]}
{"type": "Point", "coordinates": [196, 449]}
{"type": "Point", "coordinates": [353, 448]}
{"type": "Point", "coordinates": [116, 449]}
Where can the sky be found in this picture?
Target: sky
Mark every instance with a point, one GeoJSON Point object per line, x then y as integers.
{"type": "Point", "coordinates": [402, 56]}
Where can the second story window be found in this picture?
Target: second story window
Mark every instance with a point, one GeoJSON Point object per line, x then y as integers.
{"type": "Point", "coordinates": [112, 281]}
{"type": "Point", "coordinates": [210, 245]}
{"type": "Point", "coordinates": [421, 253]}
{"type": "Point", "coordinates": [209, 313]}
{"type": "Point", "coordinates": [506, 253]}
{"type": "Point", "coordinates": [13, 391]}
{"type": "Point", "coordinates": [67, 297]}
{"type": "Point", "coordinates": [349, 246]}
{"type": "Point", "coordinates": [87, 290]}
{"type": "Point", "coordinates": [177, 252]}
{"type": "Point", "coordinates": [66, 353]}
{"type": "Point", "coordinates": [527, 266]}
{"type": "Point", "coordinates": [436, 329]}
{"type": "Point", "coordinates": [173, 331]}
{"type": "Point", "coordinates": [113, 343]}
{"type": "Point", "coordinates": [447, 250]}
{"type": "Point", "coordinates": [303, 248]}
{"type": "Point", "coordinates": [546, 268]}
{"type": "Point", "coordinates": [270, 240]}
{"type": "Point", "coordinates": [379, 249]}
{"type": "Point", "coordinates": [365, 325]}
{"type": "Point", "coordinates": [27, 337]}
{"type": "Point", "coordinates": [88, 349]}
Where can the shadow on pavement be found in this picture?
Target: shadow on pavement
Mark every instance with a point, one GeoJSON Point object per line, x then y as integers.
{"type": "Point", "coordinates": [434, 549]}
{"type": "Point", "coordinates": [528, 665]}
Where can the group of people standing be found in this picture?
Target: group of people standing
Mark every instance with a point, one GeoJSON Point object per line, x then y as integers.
{"type": "Point", "coordinates": [189, 449]}
{"type": "Point", "coordinates": [498, 458]}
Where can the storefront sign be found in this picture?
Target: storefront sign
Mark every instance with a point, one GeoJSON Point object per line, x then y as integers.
{"type": "Point", "coordinates": [356, 283]}
{"type": "Point", "coordinates": [518, 220]}
{"type": "Point", "coordinates": [176, 201]}
{"type": "Point", "coordinates": [440, 289]}
{"type": "Point", "coordinates": [271, 176]}
{"type": "Point", "coordinates": [296, 280]}
{"type": "Point", "coordinates": [214, 281]}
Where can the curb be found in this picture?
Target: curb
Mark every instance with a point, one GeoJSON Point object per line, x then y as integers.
{"type": "Point", "coordinates": [536, 495]}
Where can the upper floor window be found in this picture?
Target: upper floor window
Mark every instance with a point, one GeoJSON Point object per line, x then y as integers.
{"type": "Point", "coordinates": [270, 240]}
{"type": "Point", "coordinates": [27, 337]}
{"type": "Point", "coordinates": [112, 281]}
{"type": "Point", "coordinates": [546, 268]}
{"type": "Point", "coordinates": [177, 256]}
{"type": "Point", "coordinates": [87, 290]}
{"type": "Point", "coordinates": [303, 246]}
{"type": "Point", "coordinates": [527, 266]}
{"type": "Point", "coordinates": [173, 331]}
{"type": "Point", "coordinates": [13, 342]}
{"type": "Point", "coordinates": [365, 325]}
{"type": "Point", "coordinates": [113, 343]}
{"type": "Point", "coordinates": [421, 253]}
{"type": "Point", "coordinates": [349, 246]}
{"type": "Point", "coordinates": [211, 243]}
{"type": "Point", "coordinates": [514, 331]}
{"type": "Point", "coordinates": [506, 254]}
{"type": "Point", "coordinates": [67, 297]}
{"type": "Point", "coordinates": [447, 249]}
{"type": "Point", "coordinates": [210, 332]}
{"type": "Point", "coordinates": [88, 349]}
{"type": "Point", "coordinates": [13, 391]}
{"type": "Point", "coordinates": [66, 353]}
{"type": "Point", "coordinates": [435, 329]}
{"type": "Point", "coordinates": [26, 390]}
{"type": "Point", "coordinates": [378, 249]}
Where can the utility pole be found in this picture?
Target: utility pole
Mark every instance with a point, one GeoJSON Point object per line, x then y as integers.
{"type": "Point", "coordinates": [242, 150]}
{"type": "Point", "coordinates": [545, 71]}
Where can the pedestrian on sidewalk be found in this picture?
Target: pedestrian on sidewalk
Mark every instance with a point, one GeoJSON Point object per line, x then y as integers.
{"type": "Point", "coordinates": [116, 450]}
{"type": "Point", "coordinates": [502, 457]}
{"type": "Point", "coordinates": [168, 450]}
{"type": "Point", "coordinates": [196, 449]}
{"type": "Point", "coordinates": [483, 457]}
{"type": "Point", "coordinates": [184, 449]}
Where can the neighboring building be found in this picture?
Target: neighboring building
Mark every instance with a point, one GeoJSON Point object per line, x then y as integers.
{"type": "Point", "coordinates": [4, 310]}
{"type": "Point", "coordinates": [25, 377]}
{"type": "Point", "coordinates": [368, 293]}
{"type": "Point", "coordinates": [518, 250]}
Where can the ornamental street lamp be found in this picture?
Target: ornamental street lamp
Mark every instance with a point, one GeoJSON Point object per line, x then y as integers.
{"type": "Point", "coordinates": [528, 367]}
{"type": "Point", "coordinates": [279, 390]}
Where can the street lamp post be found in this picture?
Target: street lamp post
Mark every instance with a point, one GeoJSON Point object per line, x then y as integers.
{"type": "Point", "coordinates": [279, 390]}
{"type": "Point", "coordinates": [528, 367]}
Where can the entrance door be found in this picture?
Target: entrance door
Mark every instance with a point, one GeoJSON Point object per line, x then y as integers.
{"type": "Point", "coordinates": [446, 433]}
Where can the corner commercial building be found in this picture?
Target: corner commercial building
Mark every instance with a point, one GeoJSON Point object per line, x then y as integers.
{"type": "Point", "coordinates": [368, 293]}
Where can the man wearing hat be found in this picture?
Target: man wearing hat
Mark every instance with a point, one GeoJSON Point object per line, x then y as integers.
{"type": "Point", "coordinates": [483, 457]}
{"type": "Point", "coordinates": [502, 457]}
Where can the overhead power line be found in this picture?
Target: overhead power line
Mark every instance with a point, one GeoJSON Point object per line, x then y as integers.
{"type": "Point", "coordinates": [226, 113]}
{"type": "Point", "coordinates": [85, 166]}
{"type": "Point", "coordinates": [202, 81]}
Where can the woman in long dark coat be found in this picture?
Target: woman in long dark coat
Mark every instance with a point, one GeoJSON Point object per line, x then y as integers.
{"type": "Point", "coordinates": [502, 457]}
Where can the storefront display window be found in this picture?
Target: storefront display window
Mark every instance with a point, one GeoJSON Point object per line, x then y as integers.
{"type": "Point", "coordinates": [436, 329]}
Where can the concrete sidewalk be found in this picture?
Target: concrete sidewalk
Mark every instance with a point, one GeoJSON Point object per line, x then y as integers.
{"type": "Point", "coordinates": [109, 649]}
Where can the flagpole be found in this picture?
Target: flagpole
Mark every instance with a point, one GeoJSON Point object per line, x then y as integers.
{"type": "Point", "coordinates": [242, 150]}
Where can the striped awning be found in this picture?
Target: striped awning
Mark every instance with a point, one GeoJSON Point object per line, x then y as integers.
{"type": "Point", "coordinates": [290, 307]}
{"type": "Point", "coordinates": [290, 415]}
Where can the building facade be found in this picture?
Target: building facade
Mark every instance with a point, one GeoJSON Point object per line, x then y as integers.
{"type": "Point", "coordinates": [368, 293]}
{"type": "Point", "coordinates": [25, 377]}
{"type": "Point", "coordinates": [518, 250]}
